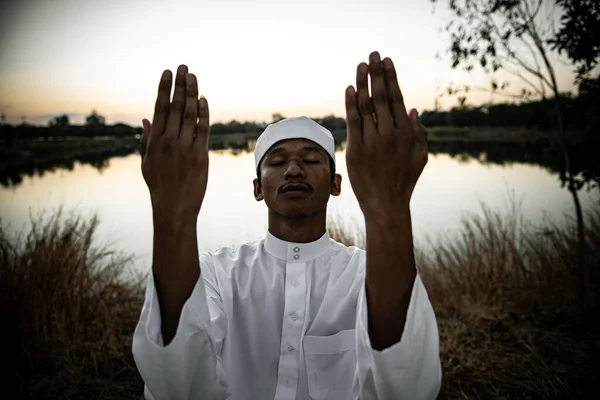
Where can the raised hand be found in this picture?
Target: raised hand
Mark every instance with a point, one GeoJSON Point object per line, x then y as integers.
{"type": "Point", "coordinates": [174, 149]}
{"type": "Point", "coordinates": [386, 148]}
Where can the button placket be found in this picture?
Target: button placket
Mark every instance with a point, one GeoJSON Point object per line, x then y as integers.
{"type": "Point", "coordinates": [294, 253]}
{"type": "Point", "coordinates": [291, 335]}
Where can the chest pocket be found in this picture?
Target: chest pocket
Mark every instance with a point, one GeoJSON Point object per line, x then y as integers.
{"type": "Point", "coordinates": [330, 365]}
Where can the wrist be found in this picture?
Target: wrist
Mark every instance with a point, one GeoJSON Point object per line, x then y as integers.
{"type": "Point", "coordinates": [387, 215]}
{"type": "Point", "coordinates": [172, 222]}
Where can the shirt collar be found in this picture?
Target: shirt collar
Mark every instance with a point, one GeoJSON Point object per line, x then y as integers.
{"type": "Point", "coordinates": [296, 252]}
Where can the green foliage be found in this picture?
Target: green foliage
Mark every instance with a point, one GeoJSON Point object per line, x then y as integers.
{"type": "Point", "coordinates": [508, 35]}
{"type": "Point", "coordinates": [579, 35]}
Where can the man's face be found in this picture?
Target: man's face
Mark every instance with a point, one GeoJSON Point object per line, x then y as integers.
{"type": "Point", "coordinates": [296, 178]}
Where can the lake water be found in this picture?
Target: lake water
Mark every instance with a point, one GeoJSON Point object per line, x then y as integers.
{"type": "Point", "coordinates": [448, 188]}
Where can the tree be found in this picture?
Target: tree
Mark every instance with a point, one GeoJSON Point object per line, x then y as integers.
{"type": "Point", "coordinates": [60, 121]}
{"type": "Point", "coordinates": [579, 39]}
{"type": "Point", "coordinates": [276, 117]}
{"type": "Point", "coordinates": [94, 119]}
{"type": "Point", "coordinates": [515, 37]}
{"type": "Point", "coordinates": [579, 35]}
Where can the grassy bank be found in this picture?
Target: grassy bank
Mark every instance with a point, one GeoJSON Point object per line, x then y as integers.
{"type": "Point", "coordinates": [518, 318]}
{"type": "Point", "coordinates": [516, 315]}
{"type": "Point", "coordinates": [69, 314]}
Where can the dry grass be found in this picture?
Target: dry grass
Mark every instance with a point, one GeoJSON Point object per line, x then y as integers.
{"type": "Point", "coordinates": [515, 319]}
{"type": "Point", "coordinates": [69, 313]}
{"type": "Point", "coordinates": [518, 317]}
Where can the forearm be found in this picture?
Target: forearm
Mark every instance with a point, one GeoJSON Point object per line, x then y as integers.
{"type": "Point", "coordinates": [390, 275]}
{"type": "Point", "coordinates": [176, 269]}
{"type": "Point", "coordinates": [189, 367]}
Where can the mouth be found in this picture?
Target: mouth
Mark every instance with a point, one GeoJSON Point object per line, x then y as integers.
{"type": "Point", "coordinates": [294, 189]}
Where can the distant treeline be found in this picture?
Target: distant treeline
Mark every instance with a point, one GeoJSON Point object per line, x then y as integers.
{"type": "Point", "coordinates": [24, 131]}
{"type": "Point", "coordinates": [330, 122]}
{"type": "Point", "coordinates": [534, 114]}
{"type": "Point", "coordinates": [66, 130]}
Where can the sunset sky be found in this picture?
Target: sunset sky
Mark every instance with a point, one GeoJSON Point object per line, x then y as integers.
{"type": "Point", "coordinates": [252, 58]}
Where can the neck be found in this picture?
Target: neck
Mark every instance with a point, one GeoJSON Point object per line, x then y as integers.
{"type": "Point", "coordinates": [304, 229]}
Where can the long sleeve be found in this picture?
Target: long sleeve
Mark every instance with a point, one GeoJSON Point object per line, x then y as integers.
{"type": "Point", "coordinates": [189, 367]}
{"type": "Point", "coordinates": [409, 369]}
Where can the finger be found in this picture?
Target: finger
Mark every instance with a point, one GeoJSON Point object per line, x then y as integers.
{"type": "Point", "coordinates": [353, 121]}
{"type": "Point", "coordinates": [203, 125]}
{"type": "Point", "coordinates": [395, 98]}
{"type": "Point", "coordinates": [413, 116]}
{"type": "Point", "coordinates": [147, 127]}
{"type": "Point", "coordinates": [178, 103]}
{"type": "Point", "coordinates": [420, 131]}
{"type": "Point", "coordinates": [379, 96]}
{"type": "Point", "coordinates": [190, 115]}
{"type": "Point", "coordinates": [161, 108]}
{"type": "Point", "coordinates": [365, 106]}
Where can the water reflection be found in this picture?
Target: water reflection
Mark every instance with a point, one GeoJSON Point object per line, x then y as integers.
{"type": "Point", "coordinates": [37, 158]}
{"type": "Point", "coordinates": [231, 215]}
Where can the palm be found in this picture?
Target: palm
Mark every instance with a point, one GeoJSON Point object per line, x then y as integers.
{"type": "Point", "coordinates": [387, 148]}
{"type": "Point", "coordinates": [174, 148]}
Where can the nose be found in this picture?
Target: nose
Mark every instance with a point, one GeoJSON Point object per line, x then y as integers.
{"type": "Point", "coordinates": [293, 171]}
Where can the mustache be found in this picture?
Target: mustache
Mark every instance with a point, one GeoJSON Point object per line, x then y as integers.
{"type": "Point", "coordinates": [295, 186]}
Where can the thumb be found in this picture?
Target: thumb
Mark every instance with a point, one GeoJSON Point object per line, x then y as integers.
{"type": "Point", "coordinates": [147, 126]}
{"type": "Point", "coordinates": [413, 114]}
{"type": "Point", "coordinates": [418, 128]}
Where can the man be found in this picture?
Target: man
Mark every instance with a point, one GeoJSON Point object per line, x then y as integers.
{"type": "Point", "coordinates": [296, 315]}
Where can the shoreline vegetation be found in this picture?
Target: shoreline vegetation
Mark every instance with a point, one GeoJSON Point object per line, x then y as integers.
{"type": "Point", "coordinates": [517, 318]}
{"type": "Point", "coordinates": [32, 155]}
{"type": "Point", "coordinates": [493, 133]}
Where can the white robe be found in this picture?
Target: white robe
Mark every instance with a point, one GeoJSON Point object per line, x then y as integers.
{"type": "Point", "coordinates": [278, 320]}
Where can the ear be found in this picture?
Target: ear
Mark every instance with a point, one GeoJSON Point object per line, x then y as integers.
{"type": "Point", "coordinates": [258, 195]}
{"type": "Point", "coordinates": [336, 185]}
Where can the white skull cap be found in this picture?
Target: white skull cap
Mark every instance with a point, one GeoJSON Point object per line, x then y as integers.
{"type": "Point", "coordinates": [293, 128]}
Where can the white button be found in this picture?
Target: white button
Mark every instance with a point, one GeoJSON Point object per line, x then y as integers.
{"type": "Point", "coordinates": [291, 348]}
{"type": "Point", "coordinates": [296, 256]}
{"type": "Point", "coordinates": [295, 283]}
{"type": "Point", "coordinates": [296, 249]}
{"type": "Point", "coordinates": [294, 316]}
